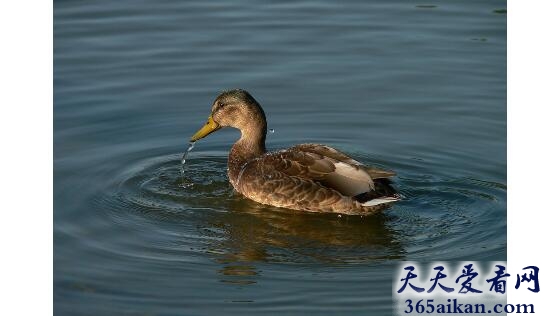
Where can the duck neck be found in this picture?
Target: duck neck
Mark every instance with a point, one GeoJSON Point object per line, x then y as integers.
{"type": "Point", "coordinates": [251, 144]}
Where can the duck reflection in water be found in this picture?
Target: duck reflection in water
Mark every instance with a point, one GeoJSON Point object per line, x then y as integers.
{"type": "Point", "coordinates": [254, 233]}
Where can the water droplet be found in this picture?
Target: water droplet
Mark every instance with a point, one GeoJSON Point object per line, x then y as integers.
{"type": "Point", "coordinates": [271, 130]}
{"type": "Point", "coordinates": [183, 159]}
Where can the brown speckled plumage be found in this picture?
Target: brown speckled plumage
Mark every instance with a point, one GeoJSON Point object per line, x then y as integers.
{"type": "Point", "coordinates": [309, 177]}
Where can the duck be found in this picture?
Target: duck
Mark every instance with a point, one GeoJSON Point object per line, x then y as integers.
{"type": "Point", "coordinates": [305, 177]}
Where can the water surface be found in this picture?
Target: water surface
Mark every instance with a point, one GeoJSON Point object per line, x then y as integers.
{"type": "Point", "coordinates": [415, 87]}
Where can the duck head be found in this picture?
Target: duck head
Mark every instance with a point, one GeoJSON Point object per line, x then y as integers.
{"type": "Point", "coordinates": [238, 109]}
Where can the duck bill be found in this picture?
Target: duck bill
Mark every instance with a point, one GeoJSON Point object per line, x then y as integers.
{"type": "Point", "coordinates": [207, 129]}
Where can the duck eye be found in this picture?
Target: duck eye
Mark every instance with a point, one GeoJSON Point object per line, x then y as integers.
{"type": "Point", "coordinates": [220, 104]}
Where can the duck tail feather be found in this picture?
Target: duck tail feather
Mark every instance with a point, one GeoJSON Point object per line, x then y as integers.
{"type": "Point", "coordinates": [382, 200]}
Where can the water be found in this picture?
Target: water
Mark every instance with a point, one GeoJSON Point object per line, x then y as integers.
{"type": "Point", "coordinates": [183, 159]}
{"type": "Point", "coordinates": [416, 87]}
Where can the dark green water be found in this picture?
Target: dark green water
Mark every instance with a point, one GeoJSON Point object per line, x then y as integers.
{"type": "Point", "coordinates": [417, 87]}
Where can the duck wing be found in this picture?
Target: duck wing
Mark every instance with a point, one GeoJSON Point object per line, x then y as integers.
{"type": "Point", "coordinates": [324, 165]}
{"type": "Point", "coordinates": [375, 173]}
